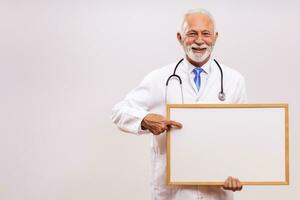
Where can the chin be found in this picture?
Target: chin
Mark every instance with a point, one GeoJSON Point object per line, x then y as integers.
{"type": "Point", "coordinates": [198, 58]}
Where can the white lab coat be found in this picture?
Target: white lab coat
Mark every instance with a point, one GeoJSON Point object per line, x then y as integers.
{"type": "Point", "coordinates": [149, 97]}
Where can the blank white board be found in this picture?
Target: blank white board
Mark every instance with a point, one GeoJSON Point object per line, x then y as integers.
{"type": "Point", "coordinates": [248, 141]}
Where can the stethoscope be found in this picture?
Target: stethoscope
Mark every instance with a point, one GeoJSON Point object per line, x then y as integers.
{"type": "Point", "coordinates": [221, 94]}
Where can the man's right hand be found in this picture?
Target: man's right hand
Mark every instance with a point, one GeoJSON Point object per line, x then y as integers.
{"type": "Point", "coordinates": [157, 124]}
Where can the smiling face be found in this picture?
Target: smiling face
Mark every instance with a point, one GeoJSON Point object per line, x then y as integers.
{"type": "Point", "coordinates": [198, 38]}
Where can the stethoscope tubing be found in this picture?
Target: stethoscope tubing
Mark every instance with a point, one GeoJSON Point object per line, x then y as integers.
{"type": "Point", "coordinates": [221, 94]}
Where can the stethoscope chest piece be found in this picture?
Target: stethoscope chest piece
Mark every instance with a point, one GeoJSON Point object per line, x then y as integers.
{"type": "Point", "coordinates": [222, 96]}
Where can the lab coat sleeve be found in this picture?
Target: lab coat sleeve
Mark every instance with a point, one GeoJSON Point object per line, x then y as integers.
{"type": "Point", "coordinates": [129, 113]}
{"type": "Point", "coordinates": [241, 96]}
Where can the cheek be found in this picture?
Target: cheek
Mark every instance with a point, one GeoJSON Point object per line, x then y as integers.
{"type": "Point", "coordinates": [188, 41]}
{"type": "Point", "coordinates": [209, 41]}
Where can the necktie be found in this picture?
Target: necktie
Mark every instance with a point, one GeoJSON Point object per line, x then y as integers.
{"type": "Point", "coordinates": [197, 78]}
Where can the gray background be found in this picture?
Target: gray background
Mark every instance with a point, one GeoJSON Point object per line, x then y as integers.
{"type": "Point", "coordinates": [64, 64]}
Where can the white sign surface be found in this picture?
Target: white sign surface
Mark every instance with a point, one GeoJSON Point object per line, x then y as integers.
{"type": "Point", "coordinates": [248, 141]}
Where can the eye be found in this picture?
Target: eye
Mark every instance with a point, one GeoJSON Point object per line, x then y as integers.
{"type": "Point", "coordinates": [207, 34]}
{"type": "Point", "coordinates": [191, 34]}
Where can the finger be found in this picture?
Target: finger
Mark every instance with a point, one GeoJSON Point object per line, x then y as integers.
{"type": "Point", "coordinates": [173, 123]}
{"type": "Point", "coordinates": [240, 188]}
{"type": "Point", "coordinates": [168, 128]}
{"type": "Point", "coordinates": [230, 182]}
{"type": "Point", "coordinates": [227, 183]}
{"type": "Point", "coordinates": [157, 130]}
{"type": "Point", "coordinates": [234, 184]}
{"type": "Point", "coordinates": [225, 186]}
{"type": "Point", "coordinates": [163, 127]}
{"type": "Point", "coordinates": [239, 185]}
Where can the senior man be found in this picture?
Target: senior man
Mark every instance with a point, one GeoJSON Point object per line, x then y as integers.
{"type": "Point", "coordinates": [143, 109]}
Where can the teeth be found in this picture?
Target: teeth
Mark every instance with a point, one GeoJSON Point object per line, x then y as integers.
{"type": "Point", "coordinates": [198, 49]}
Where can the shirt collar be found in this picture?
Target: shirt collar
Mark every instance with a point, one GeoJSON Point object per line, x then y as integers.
{"type": "Point", "coordinates": [206, 67]}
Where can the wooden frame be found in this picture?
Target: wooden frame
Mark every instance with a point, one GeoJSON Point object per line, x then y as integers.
{"type": "Point", "coordinates": [271, 162]}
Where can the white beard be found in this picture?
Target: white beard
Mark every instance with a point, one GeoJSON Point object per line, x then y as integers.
{"type": "Point", "coordinates": [197, 57]}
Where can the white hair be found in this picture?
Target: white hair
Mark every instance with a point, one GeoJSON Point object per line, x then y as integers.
{"type": "Point", "coordinates": [195, 11]}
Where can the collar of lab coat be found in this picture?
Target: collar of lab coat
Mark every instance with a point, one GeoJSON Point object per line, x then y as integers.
{"type": "Point", "coordinates": [206, 67]}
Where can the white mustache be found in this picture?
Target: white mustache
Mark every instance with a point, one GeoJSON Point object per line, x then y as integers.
{"type": "Point", "coordinates": [199, 46]}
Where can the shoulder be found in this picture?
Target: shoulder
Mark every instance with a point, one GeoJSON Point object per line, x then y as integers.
{"type": "Point", "coordinates": [160, 74]}
{"type": "Point", "coordinates": [231, 73]}
{"type": "Point", "coordinates": [234, 85]}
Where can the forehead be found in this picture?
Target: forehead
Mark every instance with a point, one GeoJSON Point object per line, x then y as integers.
{"type": "Point", "coordinates": [199, 22]}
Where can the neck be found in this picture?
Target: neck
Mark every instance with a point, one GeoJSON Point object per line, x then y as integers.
{"type": "Point", "coordinates": [197, 64]}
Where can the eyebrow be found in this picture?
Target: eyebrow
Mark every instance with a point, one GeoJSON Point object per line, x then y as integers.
{"type": "Point", "coordinates": [192, 31]}
{"type": "Point", "coordinates": [203, 31]}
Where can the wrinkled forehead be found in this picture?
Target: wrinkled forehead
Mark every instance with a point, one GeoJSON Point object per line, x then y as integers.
{"type": "Point", "coordinates": [198, 22]}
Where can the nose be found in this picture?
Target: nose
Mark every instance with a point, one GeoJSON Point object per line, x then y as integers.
{"type": "Point", "coordinates": [199, 40]}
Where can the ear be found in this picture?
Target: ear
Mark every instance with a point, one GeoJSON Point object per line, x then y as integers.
{"type": "Point", "coordinates": [216, 36]}
{"type": "Point", "coordinates": [179, 38]}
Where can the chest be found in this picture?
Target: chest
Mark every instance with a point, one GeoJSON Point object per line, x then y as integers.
{"type": "Point", "coordinates": [188, 93]}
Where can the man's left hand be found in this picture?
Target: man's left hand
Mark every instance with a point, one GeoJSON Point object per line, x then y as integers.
{"type": "Point", "coordinates": [233, 184]}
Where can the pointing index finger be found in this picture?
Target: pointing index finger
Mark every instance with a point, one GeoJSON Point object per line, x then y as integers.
{"type": "Point", "coordinates": [173, 124]}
